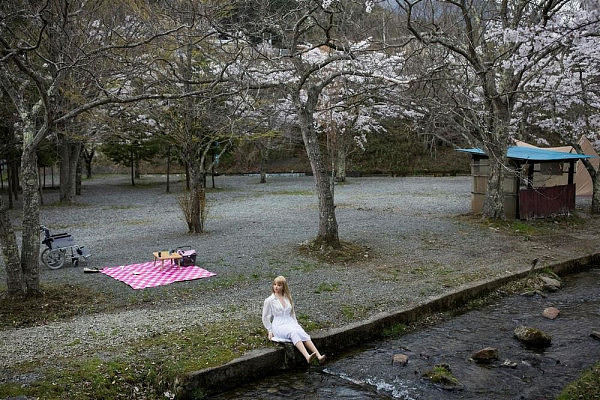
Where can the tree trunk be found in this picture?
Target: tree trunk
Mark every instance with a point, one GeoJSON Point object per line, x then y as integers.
{"type": "Point", "coordinates": [328, 227]}
{"type": "Point", "coordinates": [197, 198]}
{"type": "Point", "coordinates": [137, 168]}
{"type": "Point", "coordinates": [78, 176]}
{"type": "Point", "coordinates": [10, 254]}
{"type": "Point", "coordinates": [15, 176]}
{"type": "Point", "coordinates": [496, 149]}
{"type": "Point", "coordinates": [263, 163]}
{"type": "Point", "coordinates": [9, 183]}
{"type": "Point", "coordinates": [169, 169]}
{"type": "Point", "coordinates": [30, 248]}
{"type": "Point", "coordinates": [69, 158]}
{"type": "Point", "coordinates": [340, 164]}
{"type": "Point", "coordinates": [131, 163]}
{"type": "Point", "coordinates": [187, 175]}
{"type": "Point", "coordinates": [493, 205]}
{"type": "Point", "coordinates": [88, 156]}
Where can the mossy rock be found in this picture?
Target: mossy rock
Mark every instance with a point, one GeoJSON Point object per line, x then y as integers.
{"type": "Point", "coordinates": [532, 336]}
{"type": "Point", "coordinates": [442, 376]}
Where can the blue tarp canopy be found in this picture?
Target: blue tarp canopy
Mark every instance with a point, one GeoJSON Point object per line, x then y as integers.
{"type": "Point", "coordinates": [532, 153]}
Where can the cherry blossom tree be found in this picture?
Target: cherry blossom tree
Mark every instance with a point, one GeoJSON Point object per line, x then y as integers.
{"type": "Point", "coordinates": [487, 49]}
{"type": "Point", "coordinates": [565, 100]}
{"type": "Point", "coordinates": [317, 45]}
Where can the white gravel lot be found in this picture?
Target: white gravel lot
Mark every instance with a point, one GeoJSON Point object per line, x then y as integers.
{"type": "Point", "coordinates": [421, 243]}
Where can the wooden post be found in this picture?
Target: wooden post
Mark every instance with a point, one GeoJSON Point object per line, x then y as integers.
{"type": "Point", "coordinates": [571, 171]}
{"type": "Point", "coordinates": [530, 176]}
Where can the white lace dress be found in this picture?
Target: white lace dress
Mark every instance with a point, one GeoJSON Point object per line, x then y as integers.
{"type": "Point", "coordinates": [281, 321]}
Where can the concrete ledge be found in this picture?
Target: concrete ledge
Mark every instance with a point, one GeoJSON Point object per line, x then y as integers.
{"type": "Point", "coordinates": [261, 363]}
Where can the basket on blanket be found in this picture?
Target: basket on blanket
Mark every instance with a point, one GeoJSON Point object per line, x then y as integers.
{"type": "Point", "coordinates": [188, 255]}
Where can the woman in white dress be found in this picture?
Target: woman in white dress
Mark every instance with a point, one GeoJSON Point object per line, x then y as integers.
{"type": "Point", "coordinates": [279, 318]}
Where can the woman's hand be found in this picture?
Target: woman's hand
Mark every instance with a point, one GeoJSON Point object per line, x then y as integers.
{"type": "Point", "coordinates": [270, 335]}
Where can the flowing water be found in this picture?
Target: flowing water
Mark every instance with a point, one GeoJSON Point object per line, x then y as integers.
{"type": "Point", "coordinates": [369, 373]}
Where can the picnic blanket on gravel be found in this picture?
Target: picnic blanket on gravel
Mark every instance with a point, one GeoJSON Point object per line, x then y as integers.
{"type": "Point", "coordinates": [144, 275]}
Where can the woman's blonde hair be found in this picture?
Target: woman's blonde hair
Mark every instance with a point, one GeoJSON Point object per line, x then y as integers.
{"type": "Point", "coordinates": [286, 289]}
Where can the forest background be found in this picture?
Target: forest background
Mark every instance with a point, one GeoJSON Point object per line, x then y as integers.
{"type": "Point", "coordinates": [194, 80]}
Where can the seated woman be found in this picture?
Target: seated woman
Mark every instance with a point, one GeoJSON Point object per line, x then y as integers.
{"type": "Point", "coordinates": [279, 318]}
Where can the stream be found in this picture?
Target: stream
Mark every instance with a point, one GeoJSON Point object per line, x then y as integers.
{"type": "Point", "coordinates": [519, 373]}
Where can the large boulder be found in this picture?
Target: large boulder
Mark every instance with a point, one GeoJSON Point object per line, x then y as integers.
{"type": "Point", "coordinates": [532, 336]}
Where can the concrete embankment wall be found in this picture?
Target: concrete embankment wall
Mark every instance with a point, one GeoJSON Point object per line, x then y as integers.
{"type": "Point", "coordinates": [261, 363]}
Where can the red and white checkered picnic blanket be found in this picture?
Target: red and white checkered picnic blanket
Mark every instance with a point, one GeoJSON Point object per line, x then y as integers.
{"type": "Point", "coordinates": [144, 275]}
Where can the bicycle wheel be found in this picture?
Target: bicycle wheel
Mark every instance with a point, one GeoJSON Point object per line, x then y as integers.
{"type": "Point", "coordinates": [53, 259]}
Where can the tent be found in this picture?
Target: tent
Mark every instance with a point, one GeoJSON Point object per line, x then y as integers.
{"type": "Point", "coordinates": [583, 180]}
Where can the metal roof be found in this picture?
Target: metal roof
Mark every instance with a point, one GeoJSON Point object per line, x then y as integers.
{"type": "Point", "coordinates": [532, 153]}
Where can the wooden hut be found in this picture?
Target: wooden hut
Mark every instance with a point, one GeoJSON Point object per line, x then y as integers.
{"type": "Point", "coordinates": [542, 183]}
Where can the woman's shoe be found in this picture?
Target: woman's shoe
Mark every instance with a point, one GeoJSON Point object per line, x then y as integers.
{"type": "Point", "coordinates": [311, 357]}
{"type": "Point", "coordinates": [322, 359]}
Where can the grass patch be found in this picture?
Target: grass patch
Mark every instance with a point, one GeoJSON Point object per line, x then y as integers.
{"type": "Point", "coordinates": [57, 302]}
{"type": "Point", "coordinates": [353, 312]}
{"type": "Point", "coordinates": [327, 287]}
{"type": "Point", "coordinates": [307, 323]}
{"type": "Point", "coordinates": [529, 228]}
{"type": "Point", "coordinates": [441, 375]}
{"type": "Point", "coordinates": [145, 369]}
{"type": "Point", "coordinates": [585, 387]}
{"type": "Point", "coordinates": [307, 266]}
{"type": "Point", "coordinates": [395, 330]}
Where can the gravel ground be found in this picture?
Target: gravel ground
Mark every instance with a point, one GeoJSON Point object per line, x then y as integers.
{"type": "Point", "coordinates": [421, 241]}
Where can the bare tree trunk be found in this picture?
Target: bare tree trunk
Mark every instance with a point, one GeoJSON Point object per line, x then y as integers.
{"type": "Point", "coordinates": [187, 175]}
{"type": "Point", "coordinates": [328, 227]}
{"type": "Point", "coordinates": [15, 178]}
{"type": "Point", "coordinates": [88, 156]}
{"type": "Point", "coordinates": [340, 164]}
{"type": "Point", "coordinates": [263, 161]}
{"type": "Point", "coordinates": [498, 142]}
{"type": "Point", "coordinates": [30, 248]}
{"type": "Point", "coordinates": [10, 254]}
{"type": "Point", "coordinates": [132, 168]}
{"type": "Point", "coordinates": [78, 176]}
{"type": "Point", "coordinates": [493, 205]}
{"type": "Point", "coordinates": [168, 169]}
{"type": "Point", "coordinates": [69, 158]}
{"type": "Point", "coordinates": [137, 168]}
{"type": "Point", "coordinates": [9, 183]}
{"type": "Point", "coordinates": [197, 199]}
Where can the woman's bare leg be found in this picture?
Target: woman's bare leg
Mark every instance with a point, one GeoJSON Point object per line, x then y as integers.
{"type": "Point", "coordinates": [300, 346]}
{"type": "Point", "coordinates": [310, 345]}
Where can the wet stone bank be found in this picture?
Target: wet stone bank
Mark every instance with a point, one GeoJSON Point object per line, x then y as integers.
{"type": "Point", "coordinates": [520, 372]}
